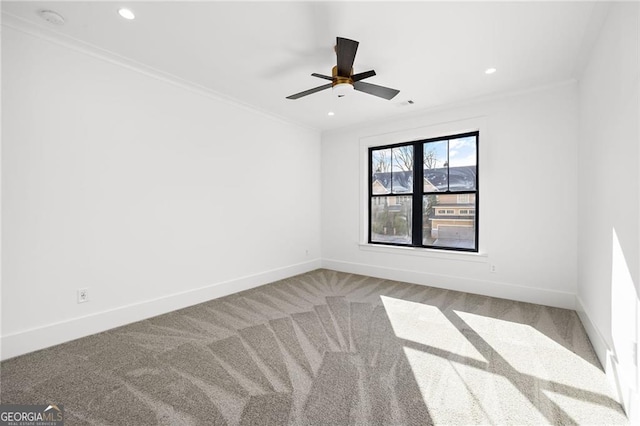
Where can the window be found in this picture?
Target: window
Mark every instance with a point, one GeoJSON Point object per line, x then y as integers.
{"type": "Point", "coordinates": [415, 189]}
{"type": "Point", "coordinates": [463, 198]}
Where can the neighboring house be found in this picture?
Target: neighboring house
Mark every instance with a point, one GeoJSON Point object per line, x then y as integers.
{"type": "Point", "coordinates": [449, 216]}
{"type": "Point", "coordinates": [453, 216]}
{"type": "Point", "coordinates": [379, 188]}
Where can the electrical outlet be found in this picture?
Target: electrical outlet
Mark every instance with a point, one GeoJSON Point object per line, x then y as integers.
{"type": "Point", "coordinates": [83, 295]}
{"type": "Point", "coordinates": [492, 268]}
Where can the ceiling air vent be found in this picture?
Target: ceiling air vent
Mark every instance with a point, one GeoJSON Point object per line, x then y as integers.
{"type": "Point", "coordinates": [51, 17]}
{"type": "Point", "coordinates": [405, 103]}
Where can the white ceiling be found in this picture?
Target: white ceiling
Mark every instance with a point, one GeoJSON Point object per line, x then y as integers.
{"type": "Point", "coordinates": [258, 53]}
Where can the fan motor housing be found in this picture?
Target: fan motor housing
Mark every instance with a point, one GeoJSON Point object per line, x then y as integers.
{"type": "Point", "coordinates": [341, 85]}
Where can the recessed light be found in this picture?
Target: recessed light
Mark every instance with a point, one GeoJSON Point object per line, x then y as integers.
{"type": "Point", "coordinates": [490, 70]}
{"type": "Point", "coordinates": [126, 14]}
{"type": "Point", "coordinates": [330, 113]}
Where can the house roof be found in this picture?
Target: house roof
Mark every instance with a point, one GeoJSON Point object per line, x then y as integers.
{"type": "Point", "coordinates": [459, 179]}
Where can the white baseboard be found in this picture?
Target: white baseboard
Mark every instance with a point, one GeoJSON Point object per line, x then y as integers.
{"type": "Point", "coordinates": [554, 298]}
{"type": "Point", "coordinates": [600, 345]}
{"type": "Point", "coordinates": [628, 398]}
{"type": "Point", "coordinates": [43, 337]}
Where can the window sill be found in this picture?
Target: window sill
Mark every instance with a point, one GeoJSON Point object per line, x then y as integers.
{"type": "Point", "coordinates": [426, 252]}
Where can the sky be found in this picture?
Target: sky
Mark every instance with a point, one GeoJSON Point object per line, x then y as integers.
{"type": "Point", "coordinates": [462, 152]}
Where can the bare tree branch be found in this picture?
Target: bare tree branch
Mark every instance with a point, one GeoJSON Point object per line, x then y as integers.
{"type": "Point", "coordinates": [430, 159]}
{"type": "Point", "coordinates": [381, 160]}
{"type": "Point", "coordinates": [403, 157]}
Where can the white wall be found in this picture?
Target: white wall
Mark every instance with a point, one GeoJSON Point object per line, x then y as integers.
{"type": "Point", "coordinates": [528, 199]}
{"type": "Point", "coordinates": [151, 196]}
{"type": "Point", "coordinates": [608, 244]}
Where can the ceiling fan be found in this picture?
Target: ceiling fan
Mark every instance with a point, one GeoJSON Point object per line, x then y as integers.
{"type": "Point", "coordinates": [343, 80]}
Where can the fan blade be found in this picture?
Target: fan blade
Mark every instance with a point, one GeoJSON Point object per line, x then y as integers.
{"type": "Point", "coordinates": [375, 90]}
{"type": "Point", "coordinates": [326, 77]}
{"type": "Point", "coordinates": [363, 75]}
{"type": "Point", "coordinates": [310, 91]}
{"type": "Point", "coordinates": [346, 53]}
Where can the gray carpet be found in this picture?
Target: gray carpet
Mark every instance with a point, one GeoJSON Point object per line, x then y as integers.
{"type": "Point", "coordinates": [328, 348]}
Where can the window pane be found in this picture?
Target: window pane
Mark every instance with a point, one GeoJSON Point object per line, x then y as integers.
{"type": "Point", "coordinates": [391, 219]}
{"type": "Point", "coordinates": [448, 223]}
{"type": "Point", "coordinates": [462, 164]}
{"type": "Point", "coordinates": [402, 169]}
{"type": "Point", "coordinates": [435, 166]}
{"type": "Point", "coordinates": [381, 171]}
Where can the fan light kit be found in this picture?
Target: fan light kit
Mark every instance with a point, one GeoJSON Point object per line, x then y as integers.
{"type": "Point", "coordinates": [342, 89]}
{"type": "Point", "coordinates": [343, 80]}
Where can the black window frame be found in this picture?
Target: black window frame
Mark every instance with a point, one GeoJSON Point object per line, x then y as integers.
{"type": "Point", "coordinates": [418, 192]}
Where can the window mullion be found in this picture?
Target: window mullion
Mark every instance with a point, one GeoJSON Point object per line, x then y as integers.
{"type": "Point", "coordinates": [418, 187]}
{"type": "Point", "coordinates": [448, 182]}
{"type": "Point", "coordinates": [370, 191]}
